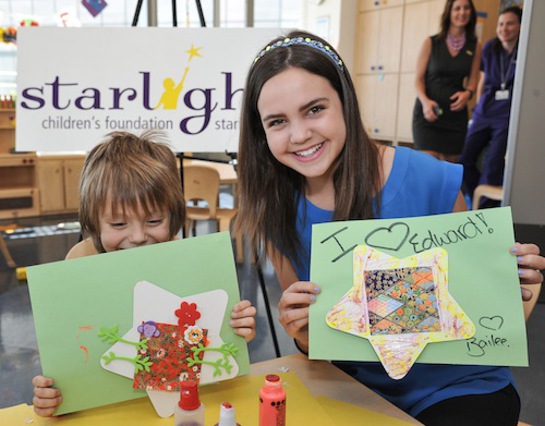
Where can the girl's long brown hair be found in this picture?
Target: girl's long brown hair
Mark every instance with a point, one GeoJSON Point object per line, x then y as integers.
{"type": "Point", "coordinates": [268, 191]}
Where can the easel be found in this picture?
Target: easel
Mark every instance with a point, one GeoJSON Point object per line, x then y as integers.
{"type": "Point", "coordinates": [174, 13]}
{"type": "Point", "coordinates": [233, 162]}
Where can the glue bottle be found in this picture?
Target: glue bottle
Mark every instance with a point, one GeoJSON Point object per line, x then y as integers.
{"type": "Point", "coordinates": [272, 402]}
{"type": "Point", "coordinates": [189, 411]}
{"type": "Point", "coordinates": [227, 415]}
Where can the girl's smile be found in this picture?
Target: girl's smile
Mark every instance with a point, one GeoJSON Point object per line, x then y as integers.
{"type": "Point", "coordinates": [307, 154]}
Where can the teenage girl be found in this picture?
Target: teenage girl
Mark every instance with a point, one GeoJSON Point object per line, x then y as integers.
{"type": "Point", "coordinates": [130, 196]}
{"type": "Point", "coordinates": [304, 158]}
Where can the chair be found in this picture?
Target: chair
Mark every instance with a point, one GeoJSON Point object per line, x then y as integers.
{"type": "Point", "coordinates": [3, 246]}
{"type": "Point", "coordinates": [489, 191]}
{"type": "Point", "coordinates": [203, 183]}
{"type": "Point", "coordinates": [5, 251]}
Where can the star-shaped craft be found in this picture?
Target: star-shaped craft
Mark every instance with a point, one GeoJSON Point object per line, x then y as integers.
{"type": "Point", "coordinates": [153, 302]}
{"type": "Point", "coordinates": [400, 305]}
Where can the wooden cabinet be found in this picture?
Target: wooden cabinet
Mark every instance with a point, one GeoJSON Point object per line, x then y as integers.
{"type": "Point", "coordinates": [427, 14]}
{"type": "Point", "coordinates": [7, 130]}
{"type": "Point", "coordinates": [405, 106]}
{"type": "Point", "coordinates": [31, 185]}
{"type": "Point", "coordinates": [19, 196]}
{"type": "Point", "coordinates": [379, 41]}
{"type": "Point", "coordinates": [377, 66]}
{"type": "Point", "coordinates": [58, 180]}
{"type": "Point", "coordinates": [377, 94]}
{"type": "Point", "coordinates": [72, 173]}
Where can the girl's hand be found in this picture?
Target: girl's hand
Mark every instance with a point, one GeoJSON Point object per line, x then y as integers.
{"type": "Point", "coordinates": [459, 100]}
{"type": "Point", "coordinates": [428, 110]}
{"type": "Point", "coordinates": [46, 398]}
{"type": "Point", "coordinates": [293, 310]}
{"type": "Point", "coordinates": [530, 265]}
{"type": "Point", "coordinates": [243, 319]}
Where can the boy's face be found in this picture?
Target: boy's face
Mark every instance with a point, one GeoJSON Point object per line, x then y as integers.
{"type": "Point", "coordinates": [120, 231]}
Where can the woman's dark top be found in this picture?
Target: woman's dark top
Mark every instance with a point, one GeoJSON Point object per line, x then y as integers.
{"type": "Point", "coordinates": [445, 76]}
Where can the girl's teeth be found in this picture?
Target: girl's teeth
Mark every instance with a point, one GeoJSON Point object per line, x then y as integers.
{"type": "Point", "coordinates": [309, 151]}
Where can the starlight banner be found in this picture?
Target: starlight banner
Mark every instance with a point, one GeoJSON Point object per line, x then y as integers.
{"type": "Point", "coordinates": [75, 85]}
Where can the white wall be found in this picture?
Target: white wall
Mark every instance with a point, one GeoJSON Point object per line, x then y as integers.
{"type": "Point", "coordinates": [524, 181]}
{"type": "Point", "coordinates": [334, 20]}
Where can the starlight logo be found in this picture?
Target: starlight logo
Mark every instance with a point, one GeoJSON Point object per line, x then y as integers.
{"type": "Point", "coordinates": [169, 98]}
{"type": "Point", "coordinates": [195, 106]}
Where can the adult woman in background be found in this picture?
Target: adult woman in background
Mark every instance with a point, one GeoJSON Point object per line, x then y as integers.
{"type": "Point", "coordinates": [490, 123]}
{"type": "Point", "coordinates": [446, 61]}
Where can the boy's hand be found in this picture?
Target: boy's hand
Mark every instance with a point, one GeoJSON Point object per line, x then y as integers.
{"type": "Point", "coordinates": [243, 319]}
{"type": "Point", "coordinates": [46, 398]}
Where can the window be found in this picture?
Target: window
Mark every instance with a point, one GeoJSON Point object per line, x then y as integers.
{"type": "Point", "coordinates": [120, 13]}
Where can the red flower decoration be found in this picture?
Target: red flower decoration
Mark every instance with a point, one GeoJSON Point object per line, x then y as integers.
{"type": "Point", "coordinates": [187, 314]}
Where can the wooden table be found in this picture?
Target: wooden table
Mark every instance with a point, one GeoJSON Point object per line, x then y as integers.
{"type": "Point", "coordinates": [320, 377]}
{"type": "Point", "coordinates": [323, 378]}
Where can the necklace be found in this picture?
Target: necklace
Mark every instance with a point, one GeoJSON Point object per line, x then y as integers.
{"type": "Point", "coordinates": [456, 43]}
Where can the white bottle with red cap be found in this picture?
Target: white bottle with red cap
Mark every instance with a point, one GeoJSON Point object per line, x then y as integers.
{"type": "Point", "coordinates": [189, 411]}
{"type": "Point", "coordinates": [227, 415]}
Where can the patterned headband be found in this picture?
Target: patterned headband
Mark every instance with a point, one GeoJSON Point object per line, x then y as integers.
{"type": "Point", "coordinates": [304, 41]}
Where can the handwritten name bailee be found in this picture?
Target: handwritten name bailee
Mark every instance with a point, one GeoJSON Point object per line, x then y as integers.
{"type": "Point", "coordinates": [477, 347]}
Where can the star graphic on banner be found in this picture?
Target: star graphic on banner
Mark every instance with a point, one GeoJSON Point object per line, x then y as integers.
{"type": "Point", "coordinates": [194, 51]}
{"type": "Point", "coordinates": [400, 317]}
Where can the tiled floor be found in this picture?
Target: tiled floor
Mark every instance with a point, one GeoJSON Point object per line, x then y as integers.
{"type": "Point", "coordinates": [19, 359]}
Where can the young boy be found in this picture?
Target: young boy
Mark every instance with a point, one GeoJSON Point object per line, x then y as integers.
{"type": "Point", "coordinates": [130, 196]}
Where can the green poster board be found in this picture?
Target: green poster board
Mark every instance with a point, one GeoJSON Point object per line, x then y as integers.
{"type": "Point", "coordinates": [72, 299]}
{"type": "Point", "coordinates": [482, 278]}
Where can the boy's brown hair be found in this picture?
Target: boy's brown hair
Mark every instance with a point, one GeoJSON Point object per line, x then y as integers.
{"type": "Point", "coordinates": [133, 170]}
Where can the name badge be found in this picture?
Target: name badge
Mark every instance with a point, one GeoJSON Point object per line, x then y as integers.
{"type": "Point", "coordinates": [502, 95]}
